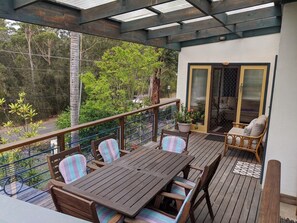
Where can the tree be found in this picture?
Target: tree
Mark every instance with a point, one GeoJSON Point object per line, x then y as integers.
{"type": "Point", "coordinates": [20, 125]}
{"type": "Point", "coordinates": [74, 82]}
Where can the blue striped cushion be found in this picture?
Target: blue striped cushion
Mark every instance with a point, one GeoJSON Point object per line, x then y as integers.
{"type": "Point", "coordinates": [106, 214]}
{"type": "Point", "coordinates": [175, 189]}
{"type": "Point", "coordinates": [109, 150]}
{"type": "Point", "coordinates": [73, 167]}
{"type": "Point", "coordinates": [182, 207]}
{"type": "Point", "coordinates": [173, 144]}
{"type": "Point", "coordinates": [151, 216]}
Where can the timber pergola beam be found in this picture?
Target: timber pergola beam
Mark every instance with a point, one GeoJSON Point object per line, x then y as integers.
{"type": "Point", "coordinates": [234, 19]}
{"type": "Point", "coordinates": [62, 17]}
{"type": "Point", "coordinates": [22, 3]}
{"type": "Point", "coordinates": [116, 8]}
{"type": "Point", "coordinates": [161, 19]}
{"type": "Point", "coordinates": [220, 31]}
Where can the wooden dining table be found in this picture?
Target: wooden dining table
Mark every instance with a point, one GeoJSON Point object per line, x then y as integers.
{"type": "Point", "coordinates": [131, 182]}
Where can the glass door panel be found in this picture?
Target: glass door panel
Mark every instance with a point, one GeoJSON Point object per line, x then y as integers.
{"type": "Point", "coordinates": [252, 89]}
{"type": "Point", "coordinates": [198, 95]}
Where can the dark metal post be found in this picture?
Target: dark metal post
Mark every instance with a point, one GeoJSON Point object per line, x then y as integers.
{"type": "Point", "coordinates": [122, 132]}
{"type": "Point", "coordinates": [155, 127]}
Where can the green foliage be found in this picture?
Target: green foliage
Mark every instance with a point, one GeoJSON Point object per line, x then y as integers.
{"type": "Point", "coordinates": [124, 72]}
{"type": "Point", "coordinates": [19, 113]}
{"type": "Point", "coordinates": [183, 116]}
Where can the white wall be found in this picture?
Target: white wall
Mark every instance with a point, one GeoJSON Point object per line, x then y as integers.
{"type": "Point", "coordinates": [249, 50]}
{"type": "Point", "coordinates": [282, 142]}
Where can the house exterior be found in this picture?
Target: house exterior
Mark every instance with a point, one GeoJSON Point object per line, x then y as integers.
{"type": "Point", "coordinates": [279, 53]}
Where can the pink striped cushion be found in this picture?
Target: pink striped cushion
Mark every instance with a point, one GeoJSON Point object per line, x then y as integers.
{"type": "Point", "coordinates": [109, 150]}
{"type": "Point", "coordinates": [173, 144]}
{"type": "Point", "coordinates": [73, 167]}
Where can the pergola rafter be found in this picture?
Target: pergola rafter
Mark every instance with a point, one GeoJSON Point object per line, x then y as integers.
{"type": "Point", "coordinates": [171, 28]}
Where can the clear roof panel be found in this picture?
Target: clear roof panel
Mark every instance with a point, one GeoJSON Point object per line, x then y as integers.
{"type": "Point", "coordinates": [197, 19]}
{"type": "Point", "coordinates": [250, 8]}
{"type": "Point", "coordinates": [83, 4]}
{"type": "Point", "coordinates": [172, 6]}
{"type": "Point", "coordinates": [164, 26]}
{"type": "Point", "coordinates": [130, 16]}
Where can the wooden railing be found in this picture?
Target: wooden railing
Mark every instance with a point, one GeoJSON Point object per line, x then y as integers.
{"type": "Point", "coordinates": [60, 134]}
{"type": "Point", "coordinates": [270, 200]}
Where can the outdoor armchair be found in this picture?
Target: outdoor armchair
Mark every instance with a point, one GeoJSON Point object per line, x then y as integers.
{"type": "Point", "coordinates": [79, 207]}
{"type": "Point", "coordinates": [174, 141]}
{"type": "Point", "coordinates": [106, 150]}
{"type": "Point", "coordinates": [247, 137]}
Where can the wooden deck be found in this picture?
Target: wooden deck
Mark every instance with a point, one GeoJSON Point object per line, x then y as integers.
{"type": "Point", "coordinates": [234, 198]}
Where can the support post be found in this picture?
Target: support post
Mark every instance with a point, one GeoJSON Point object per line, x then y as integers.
{"type": "Point", "coordinates": [61, 142]}
{"type": "Point", "coordinates": [155, 127]}
{"type": "Point", "coordinates": [177, 109]}
{"type": "Point", "coordinates": [122, 132]}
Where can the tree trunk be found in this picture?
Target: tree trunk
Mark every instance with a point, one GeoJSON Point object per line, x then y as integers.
{"type": "Point", "coordinates": [155, 90]}
{"type": "Point", "coordinates": [28, 35]}
{"type": "Point", "coordinates": [74, 83]}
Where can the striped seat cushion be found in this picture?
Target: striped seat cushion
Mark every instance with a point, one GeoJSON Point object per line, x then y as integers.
{"type": "Point", "coordinates": [109, 150]}
{"type": "Point", "coordinates": [105, 214]}
{"type": "Point", "coordinates": [151, 216]}
{"type": "Point", "coordinates": [178, 189]}
{"type": "Point", "coordinates": [73, 167]}
{"type": "Point", "coordinates": [173, 144]}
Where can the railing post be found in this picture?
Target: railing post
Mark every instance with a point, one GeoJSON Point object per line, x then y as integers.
{"type": "Point", "coordinates": [61, 142]}
{"type": "Point", "coordinates": [122, 132]}
{"type": "Point", "coordinates": [156, 123]}
{"type": "Point", "coordinates": [177, 108]}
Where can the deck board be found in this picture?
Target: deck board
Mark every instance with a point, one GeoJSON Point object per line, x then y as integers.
{"type": "Point", "coordinates": [234, 198]}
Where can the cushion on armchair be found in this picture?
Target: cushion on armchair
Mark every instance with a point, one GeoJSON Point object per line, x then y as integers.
{"type": "Point", "coordinates": [259, 126]}
{"type": "Point", "coordinates": [248, 129]}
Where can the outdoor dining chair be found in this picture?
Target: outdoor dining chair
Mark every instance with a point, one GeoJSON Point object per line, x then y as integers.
{"type": "Point", "coordinates": [174, 141]}
{"type": "Point", "coordinates": [183, 187]}
{"type": "Point", "coordinates": [155, 215]}
{"type": "Point", "coordinates": [79, 207]}
{"type": "Point", "coordinates": [61, 166]}
{"type": "Point", "coordinates": [106, 149]}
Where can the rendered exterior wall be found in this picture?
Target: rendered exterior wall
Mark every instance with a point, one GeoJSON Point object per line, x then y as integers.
{"type": "Point", "coordinates": [249, 50]}
{"type": "Point", "coordinates": [282, 142]}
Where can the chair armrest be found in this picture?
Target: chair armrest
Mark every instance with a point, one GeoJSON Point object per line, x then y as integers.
{"type": "Point", "coordinates": [130, 220]}
{"type": "Point", "coordinates": [56, 183]}
{"type": "Point", "coordinates": [115, 218]}
{"type": "Point", "coordinates": [239, 125]}
{"type": "Point", "coordinates": [99, 163]}
{"type": "Point", "coordinates": [173, 196]}
{"type": "Point", "coordinates": [92, 166]}
{"type": "Point", "coordinates": [124, 152]}
{"type": "Point", "coordinates": [183, 185]}
{"type": "Point", "coordinates": [196, 168]}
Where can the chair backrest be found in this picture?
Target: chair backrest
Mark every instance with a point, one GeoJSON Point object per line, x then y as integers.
{"type": "Point", "coordinates": [73, 205]}
{"type": "Point", "coordinates": [109, 150]}
{"type": "Point", "coordinates": [54, 161]}
{"type": "Point", "coordinates": [73, 167]}
{"type": "Point", "coordinates": [184, 211]}
{"type": "Point", "coordinates": [174, 141]}
{"type": "Point", "coordinates": [206, 177]}
{"type": "Point", "coordinates": [95, 144]}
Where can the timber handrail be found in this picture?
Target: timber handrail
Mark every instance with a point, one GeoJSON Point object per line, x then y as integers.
{"type": "Point", "coordinates": [270, 200]}
{"type": "Point", "coordinates": [60, 133]}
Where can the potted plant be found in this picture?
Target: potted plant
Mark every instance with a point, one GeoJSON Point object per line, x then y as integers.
{"type": "Point", "coordinates": [183, 119]}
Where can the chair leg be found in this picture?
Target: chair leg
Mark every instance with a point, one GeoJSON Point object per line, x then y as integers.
{"type": "Point", "coordinates": [226, 149]}
{"type": "Point", "coordinates": [208, 204]}
{"type": "Point", "coordinates": [192, 217]}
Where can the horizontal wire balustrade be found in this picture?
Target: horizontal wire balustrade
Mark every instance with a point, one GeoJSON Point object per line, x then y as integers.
{"type": "Point", "coordinates": [24, 171]}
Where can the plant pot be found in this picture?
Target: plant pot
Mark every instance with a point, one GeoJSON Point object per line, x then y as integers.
{"type": "Point", "coordinates": [184, 127]}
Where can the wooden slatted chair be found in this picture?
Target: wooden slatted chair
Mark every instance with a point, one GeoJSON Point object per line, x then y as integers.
{"type": "Point", "coordinates": [76, 206]}
{"type": "Point", "coordinates": [174, 141]}
{"type": "Point", "coordinates": [55, 160]}
{"type": "Point", "coordinates": [182, 186]}
{"type": "Point", "coordinates": [106, 150]}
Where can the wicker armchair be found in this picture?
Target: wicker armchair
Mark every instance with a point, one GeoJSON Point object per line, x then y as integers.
{"type": "Point", "coordinates": [238, 138]}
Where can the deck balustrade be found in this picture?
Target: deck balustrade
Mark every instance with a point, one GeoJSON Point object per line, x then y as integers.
{"type": "Point", "coordinates": [23, 167]}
